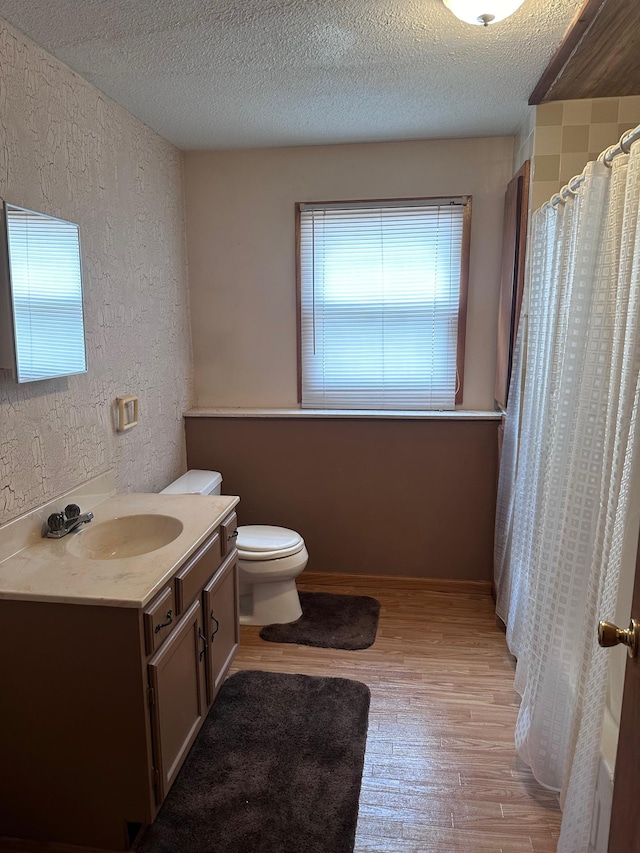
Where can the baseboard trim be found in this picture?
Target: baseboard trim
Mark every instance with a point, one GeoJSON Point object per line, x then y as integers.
{"type": "Point", "coordinates": [333, 579]}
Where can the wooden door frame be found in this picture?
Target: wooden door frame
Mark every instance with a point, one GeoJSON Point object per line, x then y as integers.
{"type": "Point", "coordinates": [624, 829]}
{"type": "Point", "coordinates": [512, 271]}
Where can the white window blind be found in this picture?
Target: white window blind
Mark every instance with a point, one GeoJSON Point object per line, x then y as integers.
{"type": "Point", "coordinates": [380, 294]}
{"type": "Point", "coordinates": [46, 291]}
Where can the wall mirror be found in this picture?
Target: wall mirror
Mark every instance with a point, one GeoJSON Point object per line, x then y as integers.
{"type": "Point", "coordinates": [41, 313]}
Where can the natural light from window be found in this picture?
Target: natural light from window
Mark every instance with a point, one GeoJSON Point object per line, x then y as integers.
{"type": "Point", "coordinates": [380, 294]}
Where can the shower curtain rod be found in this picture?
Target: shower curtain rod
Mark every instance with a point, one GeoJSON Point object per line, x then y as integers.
{"type": "Point", "coordinates": [621, 147]}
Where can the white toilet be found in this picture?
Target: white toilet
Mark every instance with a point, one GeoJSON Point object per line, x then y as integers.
{"type": "Point", "coordinates": [269, 559]}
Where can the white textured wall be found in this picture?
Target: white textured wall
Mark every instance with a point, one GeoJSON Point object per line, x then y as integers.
{"type": "Point", "coordinates": [68, 151]}
{"type": "Point", "coordinates": [241, 245]}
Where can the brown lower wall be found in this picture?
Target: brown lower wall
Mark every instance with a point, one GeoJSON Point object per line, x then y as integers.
{"type": "Point", "coordinates": [377, 497]}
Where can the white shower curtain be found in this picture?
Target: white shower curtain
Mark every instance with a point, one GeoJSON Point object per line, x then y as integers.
{"type": "Point", "coordinates": [562, 500]}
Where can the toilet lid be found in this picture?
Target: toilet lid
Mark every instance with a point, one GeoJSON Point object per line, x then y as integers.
{"type": "Point", "coordinates": [262, 542]}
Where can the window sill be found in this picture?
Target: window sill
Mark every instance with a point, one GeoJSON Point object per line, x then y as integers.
{"type": "Point", "coordinates": [456, 415]}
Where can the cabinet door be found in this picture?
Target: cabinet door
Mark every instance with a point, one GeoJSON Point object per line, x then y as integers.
{"type": "Point", "coordinates": [221, 622]}
{"type": "Point", "coordinates": [177, 697]}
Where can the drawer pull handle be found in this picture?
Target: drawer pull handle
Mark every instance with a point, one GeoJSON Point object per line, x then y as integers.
{"type": "Point", "coordinates": [233, 535]}
{"type": "Point", "coordinates": [213, 633]}
{"type": "Point", "coordinates": [204, 640]}
{"type": "Point", "coordinates": [169, 618]}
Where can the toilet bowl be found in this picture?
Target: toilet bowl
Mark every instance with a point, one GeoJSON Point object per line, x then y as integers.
{"type": "Point", "coordinates": [269, 559]}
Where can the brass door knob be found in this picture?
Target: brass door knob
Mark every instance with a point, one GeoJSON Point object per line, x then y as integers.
{"type": "Point", "coordinates": [610, 635]}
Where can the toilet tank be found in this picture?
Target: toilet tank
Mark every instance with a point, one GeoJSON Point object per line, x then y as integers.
{"type": "Point", "coordinates": [195, 483]}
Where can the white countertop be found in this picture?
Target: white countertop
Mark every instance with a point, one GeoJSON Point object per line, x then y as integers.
{"type": "Point", "coordinates": [48, 571]}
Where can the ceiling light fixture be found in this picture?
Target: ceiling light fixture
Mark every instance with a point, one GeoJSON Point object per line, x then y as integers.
{"type": "Point", "coordinates": [483, 12]}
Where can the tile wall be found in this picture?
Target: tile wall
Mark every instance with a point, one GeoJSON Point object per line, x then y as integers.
{"type": "Point", "coordinates": [569, 133]}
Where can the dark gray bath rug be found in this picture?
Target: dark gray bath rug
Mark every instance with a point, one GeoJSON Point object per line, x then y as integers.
{"type": "Point", "coordinates": [330, 621]}
{"type": "Point", "coordinates": [277, 768]}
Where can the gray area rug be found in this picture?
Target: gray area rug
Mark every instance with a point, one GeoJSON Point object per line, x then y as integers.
{"type": "Point", "coordinates": [330, 621]}
{"type": "Point", "coordinates": [276, 768]}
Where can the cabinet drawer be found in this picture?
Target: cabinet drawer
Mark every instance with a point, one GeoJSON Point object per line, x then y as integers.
{"type": "Point", "coordinates": [159, 619]}
{"type": "Point", "coordinates": [229, 533]}
{"type": "Point", "coordinates": [197, 571]}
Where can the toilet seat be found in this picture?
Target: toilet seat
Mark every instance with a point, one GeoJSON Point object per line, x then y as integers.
{"type": "Point", "coordinates": [282, 568]}
{"type": "Point", "coordinates": [264, 542]}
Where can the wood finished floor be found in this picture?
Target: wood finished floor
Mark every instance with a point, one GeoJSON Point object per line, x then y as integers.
{"type": "Point", "coordinates": [440, 770]}
{"type": "Point", "coordinates": [441, 773]}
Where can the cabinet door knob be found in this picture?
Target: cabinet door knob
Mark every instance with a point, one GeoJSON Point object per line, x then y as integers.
{"type": "Point", "coordinates": [169, 618]}
{"type": "Point", "coordinates": [204, 640]}
{"type": "Point", "coordinates": [213, 619]}
{"type": "Point", "coordinates": [233, 535]}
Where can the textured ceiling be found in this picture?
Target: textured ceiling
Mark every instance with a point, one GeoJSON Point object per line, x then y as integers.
{"type": "Point", "coordinates": [248, 73]}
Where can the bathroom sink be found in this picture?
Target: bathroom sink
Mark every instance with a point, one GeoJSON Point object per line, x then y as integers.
{"type": "Point", "coordinates": [127, 536]}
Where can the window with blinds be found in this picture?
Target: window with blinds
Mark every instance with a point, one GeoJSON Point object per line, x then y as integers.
{"type": "Point", "coordinates": [382, 302]}
{"type": "Point", "coordinates": [46, 295]}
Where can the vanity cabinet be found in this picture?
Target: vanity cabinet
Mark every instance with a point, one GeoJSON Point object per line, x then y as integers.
{"type": "Point", "coordinates": [100, 704]}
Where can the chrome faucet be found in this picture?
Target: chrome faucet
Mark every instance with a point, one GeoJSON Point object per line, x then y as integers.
{"type": "Point", "coordinates": [61, 523]}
